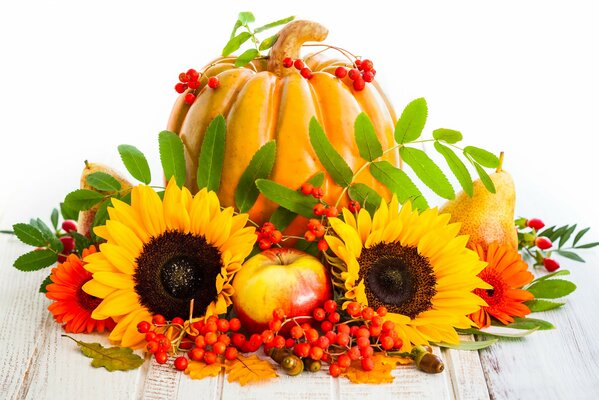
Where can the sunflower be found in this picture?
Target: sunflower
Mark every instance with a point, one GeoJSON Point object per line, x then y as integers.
{"type": "Point", "coordinates": [72, 306]}
{"type": "Point", "coordinates": [413, 264]}
{"type": "Point", "coordinates": [159, 255]}
{"type": "Point", "coordinates": [507, 273]}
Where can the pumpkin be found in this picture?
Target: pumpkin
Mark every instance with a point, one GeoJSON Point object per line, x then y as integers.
{"type": "Point", "coordinates": [264, 100]}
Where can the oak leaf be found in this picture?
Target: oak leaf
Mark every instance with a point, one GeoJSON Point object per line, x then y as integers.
{"type": "Point", "coordinates": [250, 369]}
{"type": "Point", "coordinates": [201, 370]}
{"type": "Point", "coordinates": [112, 358]}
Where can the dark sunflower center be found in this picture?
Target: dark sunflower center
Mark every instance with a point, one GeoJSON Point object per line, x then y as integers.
{"type": "Point", "coordinates": [174, 268]}
{"type": "Point", "coordinates": [398, 278]}
{"type": "Point", "coordinates": [87, 301]}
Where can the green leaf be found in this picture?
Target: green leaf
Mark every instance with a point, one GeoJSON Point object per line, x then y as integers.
{"type": "Point", "coordinates": [457, 167]}
{"type": "Point", "coordinates": [551, 275]}
{"type": "Point", "coordinates": [484, 177]}
{"type": "Point", "coordinates": [54, 218]}
{"type": "Point", "coordinates": [579, 236]}
{"type": "Point", "coordinates": [411, 123]}
{"type": "Point", "coordinates": [245, 17]}
{"type": "Point", "coordinates": [136, 163]}
{"type": "Point", "coordinates": [268, 42]}
{"type": "Point", "coordinates": [398, 182]}
{"type": "Point", "coordinates": [308, 247]}
{"type": "Point", "coordinates": [428, 172]}
{"type": "Point", "coordinates": [282, 217]}
{"type": "Point", "coordinates": [530, 323]}
{"type": "Point", "coordinates": [235, 27]}
{"type": "Point", "coordinates": [100, 218]}
{"type": "Point", "coordinates": [570, 255]}
{"type": "Point", "coordinates": [555, 235]}
{"type": "Point", "coordinates": [364, 195]}
{"type": "Point", "coordinates": [551, 288]}
{"type": "Point", "coordinates": [51, 240]}
{"type": "Point", "coordinates": [68, 212]}
{"type": "Point", "coordinates": [172, 156]}
{"type": "Point", "coordinates": [478, 345]}
{"type": "Point", "coordinates": [103, 181]}
{"type": "Point", "coordinates": [81, 242]}
{"type": "Point", "coordinates": [328, 156]}
{"type": "Point", "coordinates": [588, 245]}
{"type": "Point", "coordinates": [497, 331]}
{"type": "Point", "coordinates": [235, 43]}
{"type": "Point", "coordinates": [112, 358]}
{"type": "Point", "coordinates": [29, 235]}
{"type": "Point", "coordinates": [368, 143]}
{"type": "Point", "coordinates": [259, 167]}
{"type": "Point", "coordinates": [542, 305]}
{"type": "Point", "coordinates": [212, 154]}
{"type": "Point", "coordinates": [45, 283]}
{"type": "Point", "coordinates": [447, 135]}
{"type": "Point", "coordinates": [83, 199]}
{"type": "Point", "coordinates": [482, 156]}
{"type": "Point", "coordinates": [35, 260]}
{"type": "Point", "coordinates": [246, 57]}
{"type": "Point", "coordinates": [287, 198]}
{"type": "Point", "coordinates": [274, 24]}
{"type": "Point", "coordinates": [566, 235]}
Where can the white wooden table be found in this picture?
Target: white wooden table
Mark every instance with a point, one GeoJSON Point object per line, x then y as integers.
{"type": "Point", "coordinates": [36, 363]}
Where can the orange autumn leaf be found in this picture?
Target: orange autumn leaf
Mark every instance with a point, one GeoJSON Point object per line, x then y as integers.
{"type": "Point", "coordinates": [245, 370]}
{"type": "Point", "coordinates": [380, 374]}
{"type": "Point", "coordinates": [395, 360]}
{"type": "Point", "coordinates": [200, 370]}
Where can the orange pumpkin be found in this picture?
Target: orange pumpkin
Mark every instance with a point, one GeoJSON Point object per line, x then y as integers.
{"type": "Point", "coordinates": [264, 101]}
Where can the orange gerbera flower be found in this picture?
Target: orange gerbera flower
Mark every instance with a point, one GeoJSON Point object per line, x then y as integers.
{"type": "Point", "coordinates": [507, 273]}
{"type": "Point", "coordinates": [72, 306]}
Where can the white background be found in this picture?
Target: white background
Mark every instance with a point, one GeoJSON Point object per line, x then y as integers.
{"type": "Point", "coordinates": [79, 78]}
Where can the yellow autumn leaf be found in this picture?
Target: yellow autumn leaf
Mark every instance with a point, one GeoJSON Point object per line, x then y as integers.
{"type": "Point", "coordinates": [380, 374]}
{"type": "Point", "coordinates": [249, 369]}
{"type": "Point", "coordinates": [200, 370]}
{"type": "Point", "coordinates": [396, 360]}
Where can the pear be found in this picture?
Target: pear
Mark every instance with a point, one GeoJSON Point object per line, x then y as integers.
{"type": "Point", "coordinates": [86, 218]}
{"type": "Point", "coordinates": [487, 217]}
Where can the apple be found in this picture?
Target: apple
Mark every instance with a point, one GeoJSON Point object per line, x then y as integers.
{"type": "Point", "coordinates": [284, 278]}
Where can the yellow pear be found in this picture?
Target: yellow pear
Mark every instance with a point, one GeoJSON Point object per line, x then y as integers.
{"type": "Point", "coordinates": [86, 218]}
{"type": "Point", "coordinates": [487, 217]}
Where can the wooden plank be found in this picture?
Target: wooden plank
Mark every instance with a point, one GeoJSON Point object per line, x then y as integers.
{"type": "Point", "coordinates": [465, 373]}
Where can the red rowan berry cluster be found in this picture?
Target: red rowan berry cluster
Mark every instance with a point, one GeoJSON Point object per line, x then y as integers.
{"type": "Point", "coordinates": [267, 235]}
{"type": "Point", "coordinates": [191, 80]}
{"type": "Point", "coordinates": [363, 73]}
{"type": "Point", "coordinates": [298, 63]}
{"type": "Point", "coordinates": [534, 244]}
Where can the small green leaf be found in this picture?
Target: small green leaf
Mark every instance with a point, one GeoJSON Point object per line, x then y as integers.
{"type": "Point", "coordinates": [558, 233]}
{"type": "Point", "coordinates": [551, 288]}
{"type": "Point", "coordinates": [235, 43]}
{"type": "Point", "coordinates": [471, 346]}
{"type": "Point", "coordinates": [542, 305]}
{"type": "Point", "coordinates": [368, 143]}
{"type": "Point", "coordinates": [246, 57]}
{"type": "Point", "coordinates": [274, 24]}
{"type": "Point", "coordinates": [68, 212]}
{"type": "Point", "coordinates": [364, 195]}
{"type": "Point", "coordinates": [51, 239]}
{"type": "Point", "coordinates": [172, 156]}
{"type": "Point", "coordinates": [268, 42]}
{"type": "Point", "coordinates": [328, 156]}
{"type": "Point", "coordinates": [484, 177]}
{"type": "Point", "coordinates": [398, 182]}
{"type": "Point", "coordinates": [29, 235]}
{"type": "Point", "coordinates": [428, 172]}
{"type": "Point", "coordinates": [83, 199]}
{"type": "Point", "coordinates": [482, 156]}
{"type": "Point", "coordinates": [570, 255]}
{"type": "Point", "coordinates": [81, 242]}
{"type": "Point", "coordinates": [245, 17]}
{"type": "Point", "coordinates": [282, 217]}
{"type": "Point", "coordinates": [411, 123]}
{"type": "Point", "coordinates": [45, 283]}
{"type": "Point", "coordinates": [457, 167]}
{"type": "Point", "coordinates": [103, 181]}
{"type": "Point", "coordinates": [551, 275]}
{"type": "Point", "coordinates": [579, 236]}
{"type": "Point", "coordinates": [136, 163]}
{"type": "Point", "coordinates": [235, 27]}
{"type": "Point", "coordinates": [547, 231]}
{"type": "Point", "coordinates": [112, 358]}
{"type": "Point", "coordinates": [287, 198]}
{"type": "Point", "coordinates": [212, 155]}
{"type": "Point", "coordinates": [566, 235]}
{"type": "Point", "coordinates": [35, 260]}
{"type": "Point", "coordinates": [447, 135]}
{"type": "Point", "coordinates": [259, 167]}
{"type": "Point", "coordinates": [497, 331]}
{"type": "Point", "coordinates": [588, 245]}
{"type": "Point", "coordinates": [530, 323]}
{"type": "Point", "coordinates": [54, 218]}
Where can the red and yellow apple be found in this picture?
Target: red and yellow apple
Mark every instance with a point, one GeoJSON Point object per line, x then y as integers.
{"type": "Point", "coordinates": [283, 278]}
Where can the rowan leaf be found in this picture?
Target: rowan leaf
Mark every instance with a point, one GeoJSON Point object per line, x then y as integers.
{"type": "Point", "coordinates": [428, 172]}
{"type": "Point", "coordinates": [380, 374]}
{"type": "Point", "coordinates": [457, 167]}
{"type": "Point", "coordinates": [235, 43]}
{"type": "Point", "coordinates": [212, 154]}
{"type": "Point", "coordinates": [330, 159]}
{"type": "Point", "coordinates": [366, 196]}
{"type": "Point", "coordinates": [172, 156]}
{"type": "Point", "coordinates": [136, 163]}
{"type": "Point", "coordinates": [246, 57]}
{"type": "Point", "coordinates": [447, 135]}
{"type": "Point", "coordinates": [288, 198]}
{"type": "Point", "coordinates": [112, 358]}
{"type": "Point", "coordinates": [411, 123]}
{"type": "Point", "coordinates": [282, 217]}
{"type": "Point", "coordinates": [369, 146]}
{"type": "Point", "coordinates": [248, 369]}
{"type": "Point", "coordinates": [398, 182]}
{"type": "Point", "coordinates": [274, 24]}
{"type": "Point", "coordinates": [482, 156]}
{"type": "Point", "coordinates": [201, 370]}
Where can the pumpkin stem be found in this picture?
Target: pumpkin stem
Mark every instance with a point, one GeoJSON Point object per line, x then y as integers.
{"type": "Point", "coordinates": [290, 41]}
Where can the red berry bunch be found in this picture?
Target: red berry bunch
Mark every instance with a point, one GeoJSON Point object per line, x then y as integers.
{"type": "Point", "coordinates": [191, 80]}
{"type": "Point", "coordinates": [534, 244]}
{"type": "Point", "coordinates": [267, 235]}
{"type": "Point", "coordinates": [299, 64]}
{"type": "Point", "coordinates": [362, 73]}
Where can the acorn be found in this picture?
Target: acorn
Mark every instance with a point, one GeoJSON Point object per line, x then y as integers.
{"type": "Point", "coordinates": [292, 365]}
{"type": "Point", "coordinates": [278, 354]}
{"type": "Point", "coordinates": [427, 361]}
{"type": "Point", "coordinates": [312, 365]}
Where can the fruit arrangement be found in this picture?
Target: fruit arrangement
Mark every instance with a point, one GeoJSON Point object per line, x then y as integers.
{"type": "Point", "coordinates": [291, 220]}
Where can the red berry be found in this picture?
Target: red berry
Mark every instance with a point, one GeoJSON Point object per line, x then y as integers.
{"type": "Point", "coordinates": [319, 231]}
{"type": "Point", "coordinates": [143, 327]}
{"type": "Point", "coordinates": [307, 188]}
{"type": "Point", "coordinates": [397, 343]}
{"type": "Point", "coordinates": [330, 306]}
{"type": "Point", "coordinates": [367, 76]}
{"type": "Point", "coordinates": [275, 325]}
{"type": "Point", "coordinates": [375, 331]}
{"type": "Point", "coordinates": [323, 342]}
{"type": "Point", "coordinates": [359, 84]}
{"type": "Point", "coordinates": [276, 237]}
{"type": "Point", "coordinates": [151, 335]}
{"type": "Point", "coordinates": [353, 206]}
{"type": "Point", "coordinates": [309, 236]}
{"type": "Point", "coordinates": [210, 326]}
{"type": "Point", "coordinates": [287, 62]}
{"type": "Point", "coordinates": [550, 264]}
{"type": "Point", "coordinates": [278, 313]}
{"type": "Point", "coordinates": [367, 364]}
{"type": "Point", "coordinates": [234, 324]}
{"type": "Point", "coordinates": [211, 337]}
{"type": "Point", "coordinates": [238, 340]}
{"type": "Point", "coordinates": [196, 354]}
{"type": "Point", "coordinates": [183, 77]}
{"type": "Point", "coordinates": [323, 245]}
{"type": "Point", "coordinates": [343, 339]}
{"type": "Point", "coordinates": [363, 332]}
{"type": "Point", "coordinates": [334, 370]}
{"type": "Point", "coordinates": [353, 309]}
{"type": "Point", "coordinates": [354, 353]}
{"type": "Point", "coordinates": [213, 82]}
{"type": "Point", "coordinates": [68, 244]}
{"type": "Point", "coordinates": [332, 212]}
{"type": "Point", "coordinates": [158, 319]}
{"type": "Point", "coordinates": [317, 192]}
{"type": "Point", "coordinates": [267, 228]}
{"type": "Point", "coordinates": [373, 72]}
{"type": "Point", "coordinates": [224, 339]}
{"type": "Point", "coordinates": [268, 336]}
{"type": "Point", "coordinates": [298, 64]}
{"type": "Point", "coordinates": [152, 346]}
{"type": "Point", "coordinates": [301, 349]}
{"type": "Point", "coordinates": [326, 326]}
{"type": "Point", "coordinates": [178, 321]}
{"type": "Point", "coordinates": [382, 311]}
{"type": "Point", "coordinates": [190, 98]}
{"type": "Point", "coordinates": [319, 314]}
{"type": "Point", "coordinates": [367, 313]}
{"type": "Point", "coordinates": [343, 328]}
{"type": "Point", "coordinates": [210, 357]}
{"type": "Point", "coordinates": [543, 243]}
{"type": "Point", "coordinates": [69, 226]}
{"type": "Point", "coordinates": [535, 223]}
{"type": "Point", "coordinates": [334, 317]}
{"type": "Point", "coordinates": [289, 343]}
{"type": "Point", "coordinates": [316, 353]}
{"type": "Point", "coordinates": [344, 361]}
{"type": "Point", "coordinates": [181, 363]}
{"type": "Point", "coordinates": [219, 347]}
{"type": "Point", "coordinates": [332, 336]}
{"type": "Point", "coordinates": [340, 72]}
{"type": "Point", "coordinates": [231, 353]}
{"type": "Point", "coordinates": [353, 74]}
{"type": "Point", "coordinates": [264, 244]}
{"type": "Point", "coordinates": [387, 342]}
{"type": "Point", "coordinates": [200, 342]}
{"type": "Point", "coordinates": [306, 73]}
{"type": "Point", "coordinates": [222, 325]}
{"type": "Point", "coordinates": [363, 342]}
{"type": "Point", "coordinates": [358, 64]}
{"type": "Point", "coordinates": [311, 335]}
{"type": "Point", "coordinates": [388, 326]}
{"type": "Point", "coordinates": [366, 65]}
{"type": "Point", "coordinates": [377, 320]}
{"type": "Point", "coordinates": [297, 332]}
{"type": "Point", "coordinates": [319, 209]}
{"type": "Point", "coordinates": [161, 357]}
{"type": "Point", "coordinates": [278, 342]}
